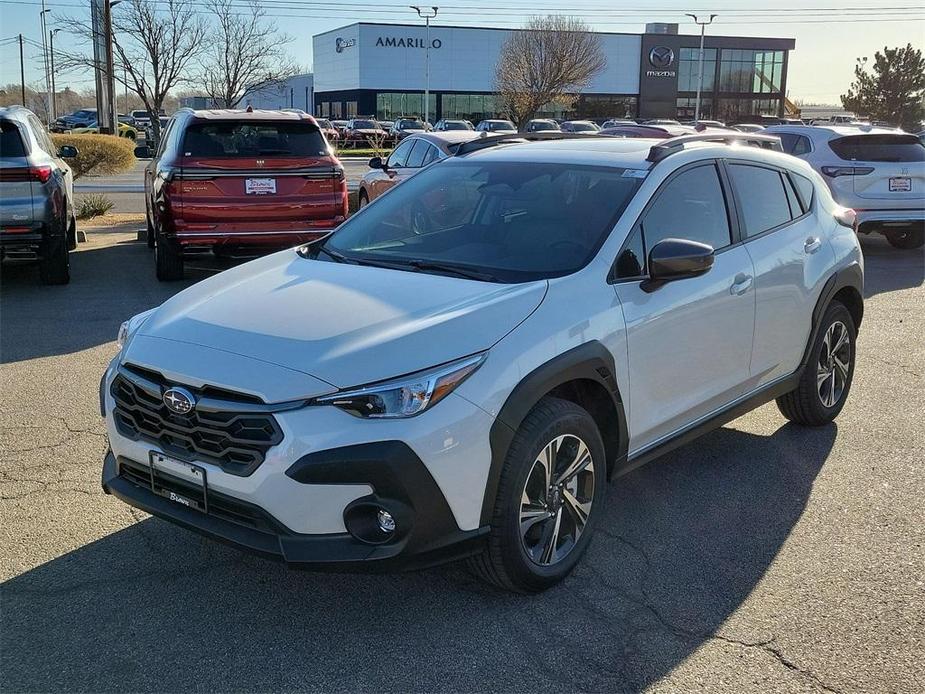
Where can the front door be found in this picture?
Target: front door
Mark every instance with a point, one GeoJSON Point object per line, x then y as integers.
{"type": "Point", "coordinates": [689, 342]}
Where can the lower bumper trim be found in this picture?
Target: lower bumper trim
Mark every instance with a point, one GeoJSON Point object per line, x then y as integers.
{"type": "Point", "coordinates": [334, 552]}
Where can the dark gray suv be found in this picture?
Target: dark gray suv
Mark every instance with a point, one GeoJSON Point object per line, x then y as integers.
{"type": "Point", "coordinates": [37, 218]}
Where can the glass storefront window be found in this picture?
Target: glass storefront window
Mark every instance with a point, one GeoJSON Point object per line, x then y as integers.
{"type": "Point", "coordinates": [688, 64]}
{"type": "Point", "coordinates": [392, 105]}
{"type": "Point", "coordinates": [734, 110]}
{"type": "Point", "coordinates": [687, 108]}
{"type": "Point", "coordinates": [750, 71]}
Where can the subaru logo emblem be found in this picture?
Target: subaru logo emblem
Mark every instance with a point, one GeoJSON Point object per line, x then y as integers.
{"type": "Point", "coordinates": [179, 400]}
{"type": "Point", "coordinates": [661, 56]}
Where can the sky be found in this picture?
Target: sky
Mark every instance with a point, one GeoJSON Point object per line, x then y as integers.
{"type": "Point", "coordinates": [829, 35]}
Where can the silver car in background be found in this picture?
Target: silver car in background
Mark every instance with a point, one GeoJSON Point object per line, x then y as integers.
{"type": "Point", "coordinates": [37, 218]}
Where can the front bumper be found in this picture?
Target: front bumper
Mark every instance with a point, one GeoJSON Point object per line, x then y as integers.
{"type": "Point", "coordinates": [426, 533]}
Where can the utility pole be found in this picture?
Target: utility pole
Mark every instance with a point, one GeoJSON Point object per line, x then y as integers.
{"type": "Point", "coordinates": [22, 73]}
{"type": "Point", "coordinates": [112, 116]}
{"type": "Point", "coordinates": [426, 16]}
{"type": "Point", "coordinates": [54, 92]}
{"type": "Point", "coordinates": [703, 27]}
{"type": "Point", "coordinates": [48, 114]}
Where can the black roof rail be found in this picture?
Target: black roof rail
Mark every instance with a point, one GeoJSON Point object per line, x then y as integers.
{"type": "Point", "coordinates": [486, 140]}
{"type": "Point", "coordinates": [676, 144]}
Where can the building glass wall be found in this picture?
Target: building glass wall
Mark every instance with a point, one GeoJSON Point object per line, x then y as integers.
{"type": "Point", "coordinates": [392, 105]}
{"type": "Point", "coordinates": [688, 64]}
{"type": "Point", "coordinates": [754, 71]}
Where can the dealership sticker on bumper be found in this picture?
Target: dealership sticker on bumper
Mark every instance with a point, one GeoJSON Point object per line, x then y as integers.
{"type": "Point", "coordinates": [260, 186]}
{"type": "Point", "coordinates": [900, 185]}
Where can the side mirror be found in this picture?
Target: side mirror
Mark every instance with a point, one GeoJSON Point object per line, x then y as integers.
{"type": "Point", "coordinates": [68, 152]}
{"type": "Point", "coordinates": [143, 152]}
{"type": "Point", "coordinates": [677, 259]}
{"type": "Point", "coordinates": [376, 163]}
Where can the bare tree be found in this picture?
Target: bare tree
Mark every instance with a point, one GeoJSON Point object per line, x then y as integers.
{"type": "Point", "coordinates": [245, 53]}
{"type": "Point", "coordinates": [551, 61]}
{"type": "Point", "coordinates": [154, 46]}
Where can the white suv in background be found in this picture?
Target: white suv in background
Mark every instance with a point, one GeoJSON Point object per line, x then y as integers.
{"type": "Point", "coordinates": [459, 368]}
{"type": "Point", "coordinates": [877, 172]}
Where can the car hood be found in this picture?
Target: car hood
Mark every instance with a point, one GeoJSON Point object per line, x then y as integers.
{"type": "Point", "coordinates": [347, 325]}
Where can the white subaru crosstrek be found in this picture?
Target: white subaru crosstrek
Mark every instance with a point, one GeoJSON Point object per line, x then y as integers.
{"type": "Point", "coordinates": [460, 368]}
{"type": "Point", "coordinates": [877, 172]}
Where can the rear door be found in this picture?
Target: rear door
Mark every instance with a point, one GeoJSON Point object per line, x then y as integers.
{"type": "Point", "coordinates": [896, 163]}
{"type": "Point", "coordinates": [15, 179]}
{"type": "Point", "coordinates": [259, 173]}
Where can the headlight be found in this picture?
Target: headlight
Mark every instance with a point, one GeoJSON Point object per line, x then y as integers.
{"type": "Point", "coordinates": [406, 396]}
{"type": "Point", "coordinates": [128, 328]}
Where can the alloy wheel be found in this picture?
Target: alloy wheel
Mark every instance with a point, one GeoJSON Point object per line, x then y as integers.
{"type": "Point", "coordinates": [834, 364]}
{"type": "Point", "coordinates": [556, 499]}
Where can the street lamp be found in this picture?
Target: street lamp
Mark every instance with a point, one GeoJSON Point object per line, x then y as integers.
{"type": "Point", "coordinates": [703, 27]}
{"type": "Point", "coordinates": [426, 15]}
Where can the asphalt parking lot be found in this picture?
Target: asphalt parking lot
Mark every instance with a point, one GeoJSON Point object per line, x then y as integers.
{"type": "Point", "coordinates": [763, 557]}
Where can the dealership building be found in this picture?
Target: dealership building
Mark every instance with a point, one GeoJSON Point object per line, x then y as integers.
{"type": "Point", "coordinates": [379, 70]}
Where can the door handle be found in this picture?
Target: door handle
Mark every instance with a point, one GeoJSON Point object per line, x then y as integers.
{"type": "Point", "coordinates": [812, 245]}
{"type": "Point", "coordinates": [741, 284]}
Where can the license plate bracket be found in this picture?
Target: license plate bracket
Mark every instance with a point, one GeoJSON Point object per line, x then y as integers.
{"type": "Point", "coordinates": [178, 481]}
{"type": "Point", "coordinates": [900, 184]}
{"type": "Point", "coordinates": [260, 186]}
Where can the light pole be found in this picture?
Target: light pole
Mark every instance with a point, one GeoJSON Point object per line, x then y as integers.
{"type": "Point", "coordinates": [48, 114]}
{"type": "Point", "coordinates": [54, 93]}
{"type": "Point", "coordinates": [426, 15]}
{"type": "Point", "coordinates": [112, 117]}
{"type": "Point", "coordinates": [703, 28]}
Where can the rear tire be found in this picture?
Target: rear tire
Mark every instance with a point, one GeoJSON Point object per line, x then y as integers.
{"type": "Point", "coordinates": [826, 380]}
{"type": "Point", "coordinates": [906, 239]}
{"type": "Point", "coordinates": [363, 200]}
{"type": "Point", "coordinates": [150, 238]}
{"type": "Point", "coordinates": [168, 259]}
{"type": "Point", "coordinates": [55, 263]}
{"type": "Point", "coordinates": [542, 521]}
{"type": "Point", "coordinates": [72, 235]}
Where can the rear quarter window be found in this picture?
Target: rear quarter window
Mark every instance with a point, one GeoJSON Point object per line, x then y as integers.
{"type": "Point", "coordinates": [11, 144]}
{"type": "Point", "coordinates": [253, 139]}
{"type": "Point", "coordinates": [884, 148]}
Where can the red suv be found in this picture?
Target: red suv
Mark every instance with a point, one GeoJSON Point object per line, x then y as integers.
{"type": "Point", "coordinates": [227, 179]}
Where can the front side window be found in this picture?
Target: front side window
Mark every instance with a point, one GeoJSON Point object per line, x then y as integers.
{"type": "Point", "coordinates": [514, 221]}
{"type": "Point", "coordinates": [416, 158]}
{"type": "Point", "coordinates": [399, 157]}
{"type": "Point", "coordinates": [691, 206]}
{"type": "Point", "coordinates": [251, 139]}
{"type": "Point", "coordinates": [762, 196]}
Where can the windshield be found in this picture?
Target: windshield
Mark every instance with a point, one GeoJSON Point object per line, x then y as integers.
{"type": "Point", "coordinates": [365, 125]}
{"type": "Point", "coordinates": [456, 125]}
{"type": "Point", "coordinates": [509, 221]}
{"type": "Point", "coordinates": [544, 125]}
{"type": "Point", "coordinates": [501, 125]}
{"type": "Point", "coordinates": [584, 127]}
{"type": "Point", "coordinates": [323, 123]}
{"type": "Point", "coordinates": [251, 138]}
{"type": "Point", "coordinates": [409, 124]}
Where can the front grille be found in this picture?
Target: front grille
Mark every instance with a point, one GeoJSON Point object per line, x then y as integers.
{"type": "Point", "coordinates": [222, 506]}
{"type": "Point", "coordinates": [236, 440]}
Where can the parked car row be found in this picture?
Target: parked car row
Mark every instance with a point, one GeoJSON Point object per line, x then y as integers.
{"type": "Point", "coordinates": [459, 369]}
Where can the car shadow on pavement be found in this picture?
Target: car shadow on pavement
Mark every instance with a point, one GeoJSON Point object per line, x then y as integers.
{"type": "Point", "coordinates": [888, 269]}
{"type": "Point", "coordinates": [683, 542]}
{"type": "Point", "coordinates": [109, 284]}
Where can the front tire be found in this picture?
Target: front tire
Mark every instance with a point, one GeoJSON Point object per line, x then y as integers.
{"type": "Point", "coordinates": [905, 239]}
{"type": "Point", "coordinates": [363, 200]}
{"type": "Point", "coordinates": [551, 487]}
{"type": "Point", "coordinates": [826, 380]}
{"type": "Point", "coordinates": [168, 259]}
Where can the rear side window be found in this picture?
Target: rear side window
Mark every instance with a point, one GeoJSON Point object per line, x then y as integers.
{"type": "Point", "coordinates": [252, 139]}
{"type": "Point", "coordinates": [762, 196]}
{"type": "Point", "coordinates": [399, 156]}
{"type": "Point", "coordinates": [885, 148]}
{"type": "Point", "coordinates": [11, 144]}
{"type": "Point", "coordinates": [691, 206]}
{"type": "Point", "coordinates": [805, 189]}
{"type": "Point", "coordinates": [795, 144]}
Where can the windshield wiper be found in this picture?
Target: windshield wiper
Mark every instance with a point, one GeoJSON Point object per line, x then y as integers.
{"type": "Point", "coordinates": [451, 269]}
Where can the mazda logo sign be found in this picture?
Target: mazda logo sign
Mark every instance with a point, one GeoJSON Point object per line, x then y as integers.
{"type": "Point", "coordinates": [179, 400]}
{"type": "Point", "coordinates": [340, 44]}
{"type": "Point", "coordinates": [661, 57]}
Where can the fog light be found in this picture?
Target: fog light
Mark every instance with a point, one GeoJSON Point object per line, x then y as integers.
{"type": "Point", "coordinates": [385, 521]}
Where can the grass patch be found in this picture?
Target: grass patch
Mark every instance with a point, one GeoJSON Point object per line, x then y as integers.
{"type": "Point", "coordinates": [364, 152]}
